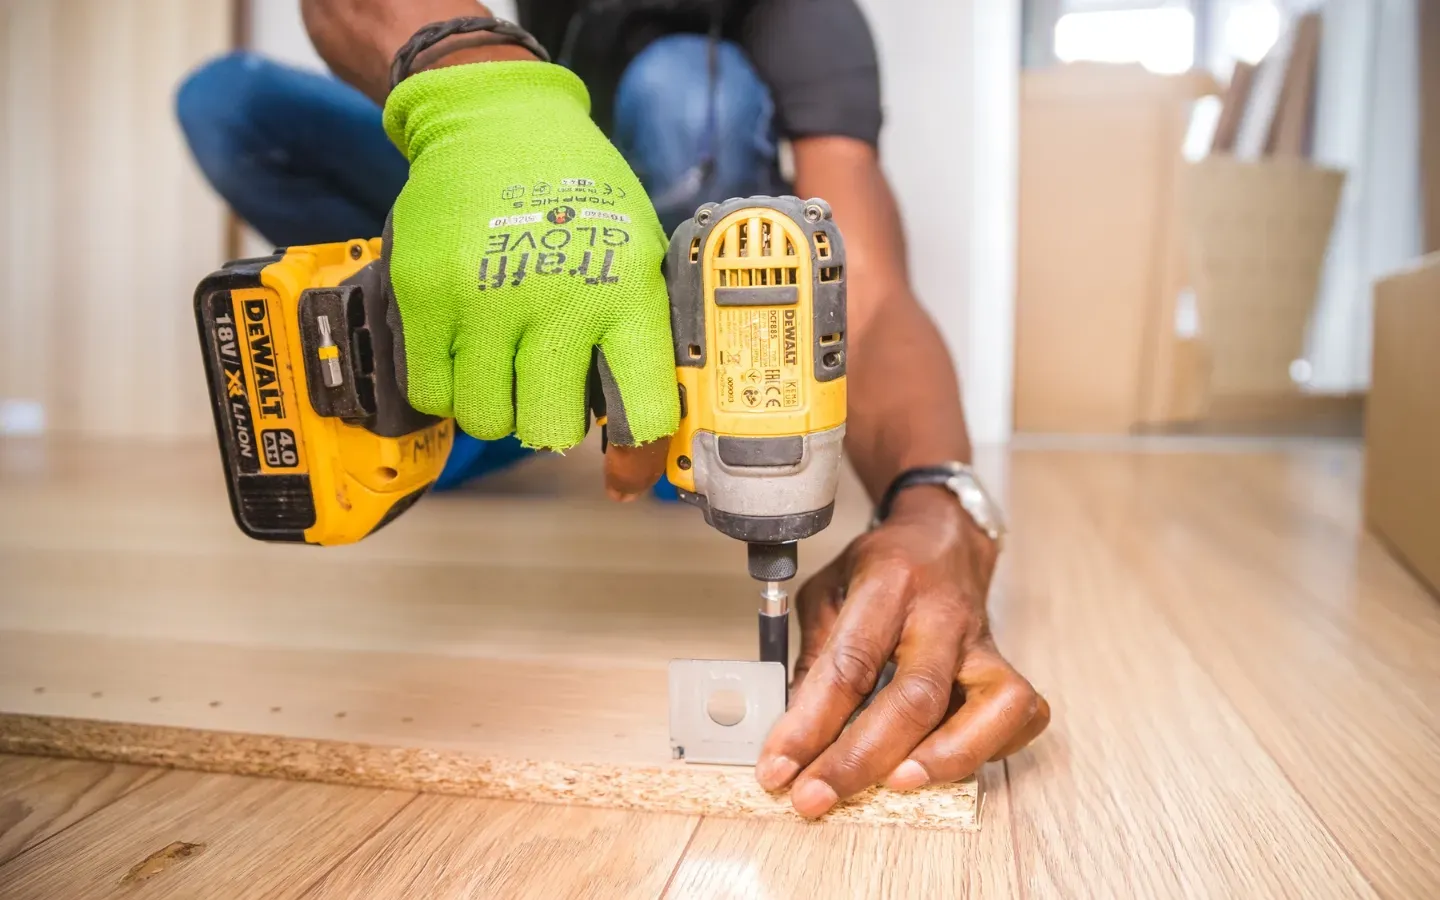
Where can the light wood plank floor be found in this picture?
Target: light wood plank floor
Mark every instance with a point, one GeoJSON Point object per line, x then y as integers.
{"type": "Point", "coordinates": [1247, 704]}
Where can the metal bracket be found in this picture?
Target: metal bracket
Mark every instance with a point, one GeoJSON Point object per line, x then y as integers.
{"type": "Point", "coordinates": [704, 693]}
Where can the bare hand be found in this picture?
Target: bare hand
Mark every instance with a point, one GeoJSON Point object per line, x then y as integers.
{"type": "Point", "coordinates": [912, 590]}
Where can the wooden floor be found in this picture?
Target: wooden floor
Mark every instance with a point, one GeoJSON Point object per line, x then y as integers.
{"type": "Point", "coordinates": [1246, 692]}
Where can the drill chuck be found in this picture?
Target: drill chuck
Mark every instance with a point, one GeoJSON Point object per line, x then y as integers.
{"type": "Point", "coordinates": [772, 562]}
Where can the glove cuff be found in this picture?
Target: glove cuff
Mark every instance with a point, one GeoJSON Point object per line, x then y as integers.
{"type": "Point", "coordinates": [497, 95]}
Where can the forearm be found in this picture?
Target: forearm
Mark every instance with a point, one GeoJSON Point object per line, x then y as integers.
{"type": "Point", "coordinates": [358, 38]}
{"type": "Point", "coordinates": [905, 407]}
{"type": "Point", "coordinates": [904, 398]}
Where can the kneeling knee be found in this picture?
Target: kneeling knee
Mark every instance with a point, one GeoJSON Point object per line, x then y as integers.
{"type": "Point", "coordinates": [218, 93]}
{"type": "Point", "coordinates": [670, 80]}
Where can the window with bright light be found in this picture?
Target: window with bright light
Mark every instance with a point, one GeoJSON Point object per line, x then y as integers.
{"type": "Point", "coordinates": [1251, 29]}
{"type": "Point", "coordinates": [1161, 39]}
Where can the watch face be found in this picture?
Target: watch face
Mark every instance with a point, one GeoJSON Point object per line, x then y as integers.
{"type": "Point", "coordinates": [978, 504]}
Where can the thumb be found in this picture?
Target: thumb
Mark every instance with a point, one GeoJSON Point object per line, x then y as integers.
{"type": "Point", "coordinates": [637, 374]}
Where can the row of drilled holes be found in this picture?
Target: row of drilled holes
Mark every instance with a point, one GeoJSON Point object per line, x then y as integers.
{"type": "Point", "coordinates": [215, 704]}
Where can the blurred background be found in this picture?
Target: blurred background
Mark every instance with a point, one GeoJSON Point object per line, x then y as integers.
{"type": "Point", "coordinates": [1127, 216]}
{"type": "Point", "coordinates": [1048, 156]}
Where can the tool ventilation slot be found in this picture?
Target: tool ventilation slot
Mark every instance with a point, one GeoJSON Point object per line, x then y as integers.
{"type": "Point", "coordinates": [773, 277]}
{"type": "Point", "coordinates": [757, 252]}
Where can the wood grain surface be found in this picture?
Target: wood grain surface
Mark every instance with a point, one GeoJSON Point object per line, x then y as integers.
{"type": "Point", "coordinates": [1330, 657]}
{"type": "Point", "coordinates": [41, 797]}
{"type": "Point", "coordinates": [445, 847]}
{"type": "Point", "coordinates": [1151, 751]}
{"type": "Point", "coordinates": [1246, 690]}
{"type": "Point", "coordinates": [739, 860]}
{"type": "Point", "coordinates": [251, 838]}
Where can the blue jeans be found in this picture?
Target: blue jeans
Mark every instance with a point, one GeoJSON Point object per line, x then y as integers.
{"type": "Point", "coordinates": [304, 159]}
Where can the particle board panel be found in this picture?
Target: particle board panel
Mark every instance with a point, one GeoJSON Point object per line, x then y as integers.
{"type": "Point", "coordinates": [42, 797]}
{"type": "Point", "coordinates": [441, 848]}
{"type": "Point", "coordinates": [510, 642]}
{"type": "Point", "coordinates": [192, 835]}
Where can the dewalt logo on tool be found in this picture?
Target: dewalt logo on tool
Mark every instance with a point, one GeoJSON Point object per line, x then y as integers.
{"type": "Point", "coordinates": [792, 354]}
{"type": "Point", "coordinates": [262, 360]}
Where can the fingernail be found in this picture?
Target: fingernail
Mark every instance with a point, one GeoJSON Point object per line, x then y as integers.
{"type": "Point", "coordinates": [773, 774]}
{"type": "Point", "coordinates": [813, 799]}
{"type": "Point", "coordinates": [907, 776]}
{"type": "Point", "coordinates": [620, 496]}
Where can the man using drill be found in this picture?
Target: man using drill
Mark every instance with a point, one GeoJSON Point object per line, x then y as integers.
{"type": "Point", "coordinates": [694, 94]}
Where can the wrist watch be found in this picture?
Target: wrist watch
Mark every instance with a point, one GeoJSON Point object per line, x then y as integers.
{"type": "Point", "coordinates": [960, 480]}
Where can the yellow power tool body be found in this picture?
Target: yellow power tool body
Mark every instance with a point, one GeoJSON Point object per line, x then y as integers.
{"type": "Point", "coordinates": [318, 444]}
{"type": "Point", "coordinates": [757, 300]}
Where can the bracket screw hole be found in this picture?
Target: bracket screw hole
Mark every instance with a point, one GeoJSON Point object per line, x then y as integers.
{"type": "Point", "coordinates": [726, 707]}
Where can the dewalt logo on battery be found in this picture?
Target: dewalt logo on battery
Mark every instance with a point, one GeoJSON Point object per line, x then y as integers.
{"type": "Point", "coordinates": [261, 342]}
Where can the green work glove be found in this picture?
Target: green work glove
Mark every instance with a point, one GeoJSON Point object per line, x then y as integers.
{"type": "Point", "coordinates": [521, 242]}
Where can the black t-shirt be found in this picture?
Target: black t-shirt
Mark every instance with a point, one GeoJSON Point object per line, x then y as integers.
{"type": "Point", "coordinates": [817, 56]}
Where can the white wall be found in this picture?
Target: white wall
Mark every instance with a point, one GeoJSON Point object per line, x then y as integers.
{"type": "Point", "coordinates": [951, 85]}
{"type": "Point", "coordinates": [277, 30]}
{"type": "Point", "coordinates": [1367, 122]}
{"type": "Point", "coordinates": [106, 223]}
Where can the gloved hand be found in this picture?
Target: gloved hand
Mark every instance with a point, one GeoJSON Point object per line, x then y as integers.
{"type": "Point", "coordinates": [521, 242]}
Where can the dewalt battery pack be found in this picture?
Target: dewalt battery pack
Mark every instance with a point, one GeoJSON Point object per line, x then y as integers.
{"type": "Point", "coordinates": [318, 444]}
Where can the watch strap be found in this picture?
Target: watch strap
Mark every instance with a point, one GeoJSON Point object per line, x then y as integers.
{"type": "Point", "coordinates": [432, 34]}
{"type": "Point", "coordinates": [938, 475]}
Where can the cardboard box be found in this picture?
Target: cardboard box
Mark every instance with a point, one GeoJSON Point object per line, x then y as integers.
{"type": "Point", "coordinates": [1257, 233]}
{"type": "Point", "coordinates": [1402, 423]}
{"type": "Point", "coordinates": [1100, 251]}
{"type": "Point", "coordinates": [1116, 228]}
